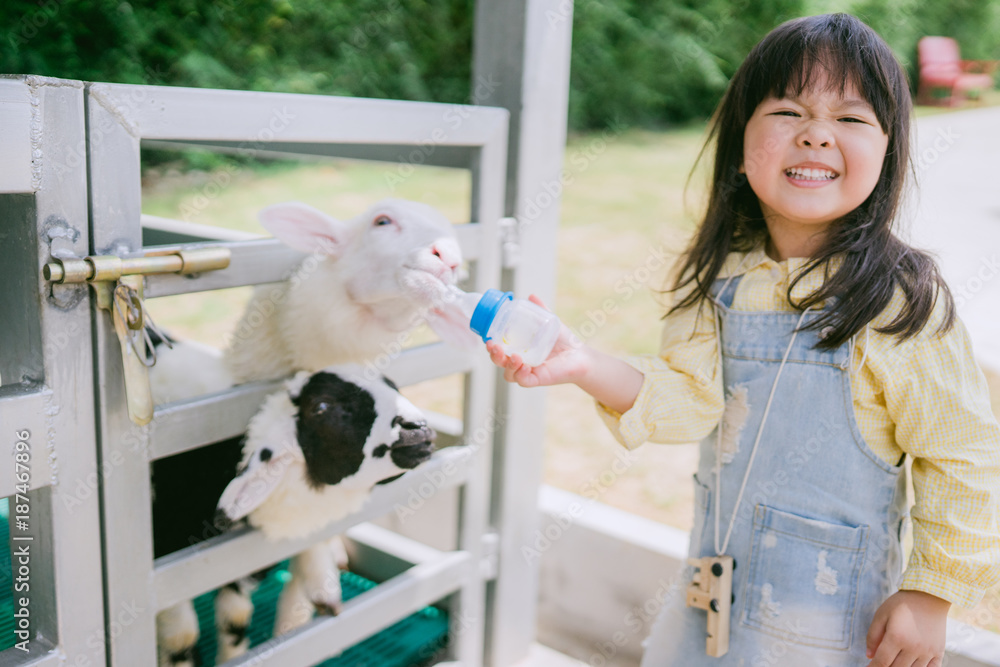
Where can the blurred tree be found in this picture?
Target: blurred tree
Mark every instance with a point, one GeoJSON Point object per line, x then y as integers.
{"type": "Point", "coordinates": [634, 62]}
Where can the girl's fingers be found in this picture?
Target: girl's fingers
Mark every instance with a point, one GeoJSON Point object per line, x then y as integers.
{"type": "Point", "coordinates": [514, 369]}
{"type": "Point", "coordinates": [496, 354]}
{"type": "Point", "coordinates": [525, 377]}
{"type": "Point", "coordinates": [533, 298]}
{"type": "Point", "coordinates": [876, 631]}
{"type": "Point", "coordinates": [909, 659]}
{"type": "Point", "coordinates": [887, 655]}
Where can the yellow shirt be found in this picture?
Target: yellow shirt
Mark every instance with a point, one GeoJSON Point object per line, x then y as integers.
{"type": "Point", "coordinates": [925, 397]}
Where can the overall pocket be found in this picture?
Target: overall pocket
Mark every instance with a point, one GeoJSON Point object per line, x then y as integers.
{"type": "Point", "coordinates": [803, 578]}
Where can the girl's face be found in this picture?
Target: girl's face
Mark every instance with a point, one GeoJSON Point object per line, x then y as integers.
{"type": "Point", "coordinates": [813, 158]}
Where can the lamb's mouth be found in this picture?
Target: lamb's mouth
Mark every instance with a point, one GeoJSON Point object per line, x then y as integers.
{"type": "Point", "coordinates": [410, 456]}
{"type": "Point", "coordinates": [441, 273]}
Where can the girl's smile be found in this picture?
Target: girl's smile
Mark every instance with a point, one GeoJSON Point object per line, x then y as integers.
{"type": "Point", "coordinates": [810, 174]}
{"type": "Point", "coordinates": [812, 158]}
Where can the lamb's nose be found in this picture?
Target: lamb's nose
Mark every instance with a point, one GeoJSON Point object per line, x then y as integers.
{"type": "Point", "coordinates": [448, 253]}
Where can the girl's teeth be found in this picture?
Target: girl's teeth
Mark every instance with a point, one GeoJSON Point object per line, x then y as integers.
{"type": "Point", "coordinates": [811, 174]}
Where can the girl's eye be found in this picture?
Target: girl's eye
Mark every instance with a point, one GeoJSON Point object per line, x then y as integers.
{"type": "Point", "coordinates": [793, 114]}
{"type": "Point", "coordinates": [383, 220]}
{"type": "Point", "coordinates": [852, 120]}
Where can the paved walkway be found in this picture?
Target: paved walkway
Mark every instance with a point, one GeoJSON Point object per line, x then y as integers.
{"type": "Point", "coordinates": [958, 216]}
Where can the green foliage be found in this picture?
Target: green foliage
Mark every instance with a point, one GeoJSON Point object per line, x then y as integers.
{"type": "Point", "coordinates": [649, 62]}
{"type": "Point", "coordinates": [634, 62]}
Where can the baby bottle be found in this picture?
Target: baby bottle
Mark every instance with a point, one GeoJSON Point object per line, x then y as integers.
{"type": "Point", "coordinates": [518, 325]}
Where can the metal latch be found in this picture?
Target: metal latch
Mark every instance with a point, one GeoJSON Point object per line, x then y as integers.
{"type": "Point", "coordinates": [118, 284]}
{"type": "Point", "coordinates": [103, 268]}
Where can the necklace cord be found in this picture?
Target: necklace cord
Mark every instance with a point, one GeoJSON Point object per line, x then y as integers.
{"type": "Point", "coordinates": [760, 430]}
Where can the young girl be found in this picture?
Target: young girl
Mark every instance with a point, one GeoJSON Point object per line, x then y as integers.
{"type": "Point", "coordinates": [825, 350]}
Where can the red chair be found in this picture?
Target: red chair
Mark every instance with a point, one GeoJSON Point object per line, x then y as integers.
{"type": "Point", "coordinates": [946, 79]}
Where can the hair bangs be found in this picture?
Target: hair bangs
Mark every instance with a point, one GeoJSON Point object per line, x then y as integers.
{"type": "Point", "coordinates": [829, 51]}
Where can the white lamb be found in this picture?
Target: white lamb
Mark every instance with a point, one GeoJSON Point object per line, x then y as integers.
{"type": "Point", "coordinates": [368, 282]}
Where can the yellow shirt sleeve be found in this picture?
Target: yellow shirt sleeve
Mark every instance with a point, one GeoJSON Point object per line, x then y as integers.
{"type": "Point", "coordinates": [681, 396]}
{"type": "Point", "coordinates": [937, 399]}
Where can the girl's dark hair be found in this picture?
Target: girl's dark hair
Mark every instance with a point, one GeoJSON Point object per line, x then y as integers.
{"type": "Point", "coordinates": [875, 261]}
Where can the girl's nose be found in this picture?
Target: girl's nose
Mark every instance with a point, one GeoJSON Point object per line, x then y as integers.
{"type": "Point", "coordinates": [816, 135]}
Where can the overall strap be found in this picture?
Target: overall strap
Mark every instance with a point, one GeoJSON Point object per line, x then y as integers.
{"type": "Point", "coordinates": [720, 297]}
{"type": "Point", "coordinates": [721, 294]}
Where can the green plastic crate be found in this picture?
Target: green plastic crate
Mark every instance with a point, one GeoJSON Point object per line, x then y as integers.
{"type": "Point", "coordinates": [415, 640]}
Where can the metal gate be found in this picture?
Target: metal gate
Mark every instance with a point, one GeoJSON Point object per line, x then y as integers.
{"type": "Point", "coordinates": [62, 365]}
{"type": "Point", "coordinates": [119, 119]}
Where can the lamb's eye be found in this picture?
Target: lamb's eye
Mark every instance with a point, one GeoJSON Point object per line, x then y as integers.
{"type": "Point", "coordinates": [320, 408]}
{"type": "Point", "coordinates": [383, 220]}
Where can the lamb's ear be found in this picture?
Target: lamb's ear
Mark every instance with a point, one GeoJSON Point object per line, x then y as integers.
{"type": "Point", "coordinates": [305, 228]}
{"type": "Point", "coordinates": [254, 483]}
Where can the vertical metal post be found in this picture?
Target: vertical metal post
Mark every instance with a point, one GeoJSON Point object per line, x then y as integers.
{"type": "Point", "coordinates": [54, 404]}
{"type": "Point", "coordinates": [115, 201]}
{"type": "Point", "coordinates": [521, 63]}
{"type": "Point", "coordinates": [481, 419]}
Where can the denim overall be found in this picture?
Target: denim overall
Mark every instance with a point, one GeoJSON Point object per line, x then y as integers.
{"type": "Point", "coordinates": [816, 538]}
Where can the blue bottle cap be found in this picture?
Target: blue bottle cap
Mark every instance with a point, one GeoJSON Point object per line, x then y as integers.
{"type": "Point", "coordinates": [486, 310]}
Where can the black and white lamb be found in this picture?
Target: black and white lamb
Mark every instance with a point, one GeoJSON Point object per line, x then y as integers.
{"type": "Point", "coordinates": [312, 455]}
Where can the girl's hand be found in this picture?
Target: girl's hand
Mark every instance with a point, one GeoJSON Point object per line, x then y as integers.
{"type": "Point", "coordinates": [567, 362]}
{"type": "Point", "coordinates": [908, 630]}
